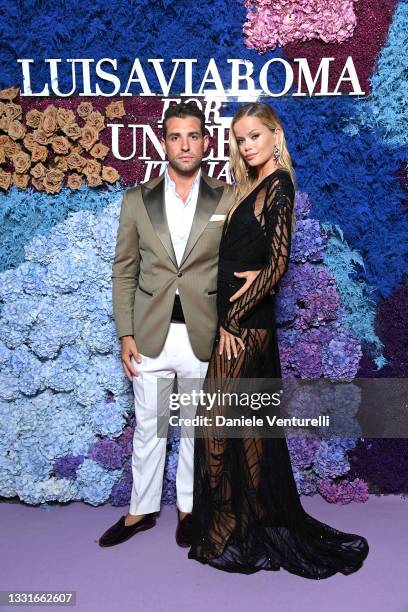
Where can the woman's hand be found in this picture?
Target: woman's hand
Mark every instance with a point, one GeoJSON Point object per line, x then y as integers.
{"type": "Point", "coordinates": [229, 342]}
{"type": "Point", "coordinates": [250, 276]}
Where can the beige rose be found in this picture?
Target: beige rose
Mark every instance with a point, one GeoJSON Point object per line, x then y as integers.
{"type": "Point", "coordinates": [99, 150]}
{"type": "Point", "coordinates": [2, 155]}
{"type": "Point", "coordinates": [4, 123]}
{"type": "Point", "coordinates": [38, 184]}
{"type": "Point", "coordinates": [110, 174]}
{"type": "Point", "coordinates": [20, 180]}
{"type": "Point", "coordinates": [51, 110]}
{"type": "Point", "coordinates": [52, 187]}
{"type": "Point", "coordinates": [2, 109]}
{"type": "Point", "coordinates": [53, 180]}
{"type": "Point", "coordinates": [9, 94]}
{"type": "Point", "coordinates": [65, 116]}
{"type": "Point", "coordinates": [60, 145]}
{"type": "Point", "coordinates": [40, 136]}
{"type": "Point", "coordinates": [16, 130]}
{"type": "Point", "coordinates": [115, 110]}
{"type": "Point", "coordinates": [29, 141]}
{"type": "Point", "coordinates": [38, 171]}
{"type": "Point", "coordinates": [49, 123]}
{"type": "Point", "coordinates": [76, 148]}
{"type": "Point", "coordinates": [5, 180]}
{"type": "Point", "coordinates": [61, 163]}
{"type": "Point", "coordinates": [96, 120]}
{"type": "Point", "coordinates": [74, 181]}
{"type": "Point", "coordinates": [94, 180]}
{"type": "Point", "coordinates": [10, 147]}
{"type": "Point", "coordinates": [89, 137]}
{"type": "Point", "coordinates": [84, 109]}
{"type": "Point", "coordinates": [38, 153]}
{"type": "Point", "coordinates": [21, 162]}
{"type": "Point", "coordinates": [33, 118]}
{"type": "Point", "coordinates": [92, 167]}
{"type": "Point", "coordinates": [73, 131]}
{"type": "Point", "coordinates": [13, 111]}
{"type": "Point", "coordinates": [75, 161]}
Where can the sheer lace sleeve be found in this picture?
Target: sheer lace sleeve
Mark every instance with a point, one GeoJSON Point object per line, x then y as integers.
{"type": "Point", "coordinates": [276, 218]}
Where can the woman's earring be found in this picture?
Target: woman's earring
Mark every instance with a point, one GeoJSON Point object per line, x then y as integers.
{"type": "Point", "coordinates": [276, 152]}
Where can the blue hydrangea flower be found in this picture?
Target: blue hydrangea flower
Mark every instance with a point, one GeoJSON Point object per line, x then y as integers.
{"type": "Point", "coordinates": [95, 482]}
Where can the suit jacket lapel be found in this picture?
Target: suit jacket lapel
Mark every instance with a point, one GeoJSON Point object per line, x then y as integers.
{"type": "Point", "coordinates": [153, 198]}
{"type": "Point", "coordinates": [207, 202]}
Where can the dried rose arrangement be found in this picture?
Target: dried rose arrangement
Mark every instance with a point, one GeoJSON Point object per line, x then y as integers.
{"type": "Point", "coordinates": [54, 145]}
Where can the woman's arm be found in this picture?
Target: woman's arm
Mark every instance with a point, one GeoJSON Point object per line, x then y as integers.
{"type": "Point", "coordinates": [277, 214]}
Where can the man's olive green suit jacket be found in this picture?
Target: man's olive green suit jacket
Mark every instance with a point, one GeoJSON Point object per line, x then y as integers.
{"type": "Point", "coordinates": [145, 273]}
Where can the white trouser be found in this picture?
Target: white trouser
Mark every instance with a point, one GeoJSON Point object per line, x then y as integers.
{"type": "Point", "coordinates": [149, 450]}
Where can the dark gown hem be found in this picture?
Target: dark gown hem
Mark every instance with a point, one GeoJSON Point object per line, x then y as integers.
{"type": "Point", "coordinates": [254, 570]}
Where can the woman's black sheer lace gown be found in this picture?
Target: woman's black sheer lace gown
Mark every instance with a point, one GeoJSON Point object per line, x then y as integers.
{"type": "Point", "coordinates": [247, 514]}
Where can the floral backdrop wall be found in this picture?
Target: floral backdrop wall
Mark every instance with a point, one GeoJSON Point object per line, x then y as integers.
{"type": "Point", "coordinates": [66, 407]}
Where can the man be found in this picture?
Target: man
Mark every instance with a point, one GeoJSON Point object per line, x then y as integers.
{"type": "Point", "coordinates": [164, 280]}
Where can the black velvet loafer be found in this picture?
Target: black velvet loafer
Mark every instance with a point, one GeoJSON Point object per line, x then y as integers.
{"type": "Point", "coordinates": [119, 532]}
{"type": "Point", "coordinates": [184, 531]}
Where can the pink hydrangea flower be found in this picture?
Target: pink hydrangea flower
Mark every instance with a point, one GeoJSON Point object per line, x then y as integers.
{"type": "Point", "coordinates": [278, 22]}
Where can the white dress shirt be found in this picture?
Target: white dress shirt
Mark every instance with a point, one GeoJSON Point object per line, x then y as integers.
{"type": "Point", "coordinates": [180, 214]}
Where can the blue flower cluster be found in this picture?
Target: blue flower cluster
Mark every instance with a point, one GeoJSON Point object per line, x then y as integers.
{"type": "Point", "coordinates": [25, 213]}
{"type": "Point", "coordinates": [63, 393]}
{"type": "Point", "coordinates": [390, 83]}
{"type": "Point", "coordinates": [349, 177]}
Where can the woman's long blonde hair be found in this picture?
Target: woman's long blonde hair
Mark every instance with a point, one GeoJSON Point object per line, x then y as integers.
{"type": "Point", "coordinates": [245, 176]}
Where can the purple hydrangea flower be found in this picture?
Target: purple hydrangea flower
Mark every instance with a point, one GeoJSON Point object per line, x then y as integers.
{"type": "Point", "coordinates": [65, 467]}
{"type": "Point", "coordinates": [107, 453]}
{"type": "Point", "coordinates": [121, 492]}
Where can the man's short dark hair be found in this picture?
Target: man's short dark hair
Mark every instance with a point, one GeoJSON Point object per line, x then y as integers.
{"type": "Point", "coordinates": [183, 110]}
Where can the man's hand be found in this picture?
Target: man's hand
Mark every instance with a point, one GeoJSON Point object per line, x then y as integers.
{"type": "Point", "coordinates": [250, 276]}
{"type": "Point", "coordinates": [128, 350]}
{"type": "Point", "coordinates": [229, 343]}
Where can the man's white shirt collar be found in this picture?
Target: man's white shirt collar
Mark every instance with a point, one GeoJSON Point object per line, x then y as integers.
{"type": "Point", "coordinates": [170, 184]}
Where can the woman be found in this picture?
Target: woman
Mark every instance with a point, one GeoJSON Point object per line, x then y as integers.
{"type": "Point", "coordinates": [247, 513]}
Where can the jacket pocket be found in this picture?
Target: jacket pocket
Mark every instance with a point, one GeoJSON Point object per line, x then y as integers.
{"type": "Point", "coordinates": [145, 292]}
{"type": "Point", "coordinates": [212, 292]}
